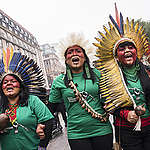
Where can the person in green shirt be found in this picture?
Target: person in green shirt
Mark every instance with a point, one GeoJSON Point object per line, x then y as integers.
{"type": "Point", "coordinates": [88, 126]}
{"type": "Point", "coordinates": [25, 113]}
{"type": "Point", "coordinates": [127, 84]}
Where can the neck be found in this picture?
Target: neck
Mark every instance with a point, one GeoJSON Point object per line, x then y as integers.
{"type": "Point", "coordinates": [77, 70]}
{"type": "Point", "coordinates": [13, 100]}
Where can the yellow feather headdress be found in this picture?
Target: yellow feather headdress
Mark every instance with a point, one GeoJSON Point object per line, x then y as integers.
{"type": "Point", "coordinates": [112, 83]}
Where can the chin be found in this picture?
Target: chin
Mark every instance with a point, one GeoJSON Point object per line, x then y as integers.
{"type": "Point", "coordinates": [129, 64]}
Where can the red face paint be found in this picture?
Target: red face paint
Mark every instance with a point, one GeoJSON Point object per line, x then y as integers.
{"type": "Point", "coordinates": [74, 51]}
{"type": "Point", "coordinates": [11, 82]}
{"type": "Point", "coordinates": [127, 54]}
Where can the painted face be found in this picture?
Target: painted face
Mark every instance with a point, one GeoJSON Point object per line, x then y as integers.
{"type": "Point", "coordinates": [75, 58]}
{"type": "Point", "coordinates": [127, 54]}
{"type": "Point", "coordinates": [74, 50]}
{"type": "Point", "coordinates": [10, 86]}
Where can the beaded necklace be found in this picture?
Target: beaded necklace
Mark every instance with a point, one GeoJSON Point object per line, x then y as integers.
{"type": "Point", "coordinates": [11, 112]}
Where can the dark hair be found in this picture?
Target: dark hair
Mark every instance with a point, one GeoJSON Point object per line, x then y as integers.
{"type": "Point", "coordinates": [23, 95]}
{"type": "Point", "coordinates": [93, 76]}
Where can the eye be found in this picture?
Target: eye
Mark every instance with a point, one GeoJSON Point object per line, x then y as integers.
{"type": "Point", "coordinates": [69, 52]}
{"type": "Point", "coordinates": [121, 48]}
{"type": "Point", "coordinates": [5, 82]}
{"type": "Point", "coordinates": [78, 50]}
{"type": "Point", "coordinates": [13, 81]}
{"type": "Point", "coordinates": [130, 47]}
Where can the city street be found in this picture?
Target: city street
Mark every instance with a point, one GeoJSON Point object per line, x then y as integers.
{"type": "Point", "coordinates": [60, 142]}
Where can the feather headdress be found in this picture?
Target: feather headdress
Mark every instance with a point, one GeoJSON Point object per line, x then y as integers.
{"type": "Point", "coordinates": [112, 83]}
{"type": "Point", "coordinates": [74, 39]}
{"type": "Point", "coordinates": [25, 68]}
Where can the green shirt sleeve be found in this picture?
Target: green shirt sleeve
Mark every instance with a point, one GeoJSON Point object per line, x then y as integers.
{"type": "Point", "coordinates": [55, 92]}
{"type": "Point", "coordinates": [40, 109]}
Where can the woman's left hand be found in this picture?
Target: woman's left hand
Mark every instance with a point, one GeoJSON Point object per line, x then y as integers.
{"type": "Point", "coordinates": [40, 131]}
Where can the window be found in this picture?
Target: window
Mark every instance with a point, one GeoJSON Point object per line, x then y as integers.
{"type": "Point", "coordinates": [4, 24]}
{"type": "Point", "coordinates": [6, 19]}
{"type": "Point", "coordinates": [9, 36]}
{"type": "Point", "coordinates": [1, 16]}
{"type": "Point", "coordinates": [20, 42]}
{"type": "Point", "coordinates": [11, 24]}
{"type": "Point", "coordinates": [15, 40]}
{"type": "Point", "coordinates": [3, 33]}
{"type": "Point", "coordinates": [1, 44]}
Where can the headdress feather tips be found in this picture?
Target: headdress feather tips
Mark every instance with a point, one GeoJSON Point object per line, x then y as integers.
{"type": "Point", "coordinates": [112, 83]}
{"type": "Point", "coordinates": [25, 68]}
{"type": "Point", "coordinates": [74, 39]}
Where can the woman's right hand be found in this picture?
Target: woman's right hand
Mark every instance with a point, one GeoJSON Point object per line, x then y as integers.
{"type": "Point", "coordinates": [132, 117]}
{"type": "Point", "coordinates": [40, 131]}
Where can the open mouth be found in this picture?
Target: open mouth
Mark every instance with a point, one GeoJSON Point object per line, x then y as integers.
{"type": "Point", "coordinates": [128, 55]}
{"type": "Point", "coordinates": [75, 59]}
{"type": "Point", "coordinates": [9, 89]}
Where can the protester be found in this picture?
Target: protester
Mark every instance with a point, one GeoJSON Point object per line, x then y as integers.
{"type": "Point", "coordinates": [25, 114]}
{"type": "Point", "coordinates": [88, 126]}
{"type": "Point", "coordinates": [126, 84]}
{"type": "Point", "coordinates": [61, 110]}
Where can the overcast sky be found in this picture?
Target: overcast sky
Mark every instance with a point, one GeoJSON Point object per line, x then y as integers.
{"type": "Point", "coordinates": [51, 20]}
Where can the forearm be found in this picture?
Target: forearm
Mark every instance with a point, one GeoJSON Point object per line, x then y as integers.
{"type": "Point", "coordinates": [48, 133]}
{"type": "Point", "coordinates": [53, 107]}
{"type": "Point", "coordinates": [122, 112]}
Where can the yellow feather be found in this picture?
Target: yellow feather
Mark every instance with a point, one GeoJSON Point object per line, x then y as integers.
{"type": "Point", "coordinates": [4, 60]}
{"type": "Point", "coordinates": [136, 27]}
{"type": "Point", "coordinates": [127, 25]}
{"type": "Point", "coordinates": [11, 54]}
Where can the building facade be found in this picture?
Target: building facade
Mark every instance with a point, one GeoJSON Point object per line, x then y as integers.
{"type": "Point", "coordinates": [52, 63]}
{"type": "Point", "coordinates": [13, 34]}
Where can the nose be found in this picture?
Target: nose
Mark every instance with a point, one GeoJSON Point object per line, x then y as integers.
{"type": "Point", "coordinates": [74, 52]}
{"type": "Point", "coordinates": [9, 82]}
{"type": "Point", "coordinates": [126, 49]}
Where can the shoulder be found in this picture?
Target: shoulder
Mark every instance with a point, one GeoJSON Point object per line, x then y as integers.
{"type": "Point", "coordinates": [59, 78]}
{"type": "Point", "coordinates": [33, 99]}
{"type": "Point", "coordinates": [97, 72]}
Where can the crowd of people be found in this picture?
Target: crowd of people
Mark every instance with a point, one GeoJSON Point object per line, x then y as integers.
{"type": "Point", "coordinates": [118, 84]}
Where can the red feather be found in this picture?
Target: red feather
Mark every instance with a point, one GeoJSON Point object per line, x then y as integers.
{"type": "Point", "coordinates": [117, 15]}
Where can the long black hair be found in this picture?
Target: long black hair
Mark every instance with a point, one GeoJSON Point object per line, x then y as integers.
{"type": "Point", "coordinates": [87, 61]}
{"type": "Point", "coordinates": [23, 94]}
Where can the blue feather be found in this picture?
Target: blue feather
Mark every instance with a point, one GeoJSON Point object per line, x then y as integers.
{"type": "Point", "coordinates": [121, 24]}
{"type": "Point", "coordinates": [114, 22]}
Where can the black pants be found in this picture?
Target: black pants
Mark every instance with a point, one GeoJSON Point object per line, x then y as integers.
{"type": "Point", "coordinates": [104, 142]}
{"type": "Point", "coordinates": [134, 140]}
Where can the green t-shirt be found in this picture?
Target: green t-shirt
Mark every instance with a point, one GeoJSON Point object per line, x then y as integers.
{"type": "Point", "coordinates": [135, 87]}
{"type": "Point", "coordinates": [28, 117]}
{"type": "Point", "coordinates": [80, 122]}
{"type": "Point", "coordinates": [137, 93]}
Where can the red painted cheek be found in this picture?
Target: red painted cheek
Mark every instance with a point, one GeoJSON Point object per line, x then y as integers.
{"type": "Point", "coordinates": [120, 56]}
{"type": "Point", "coordinates": [81, 55]}
{"type": "Point", "coordinates": [17, 85]}
{"type": "Point", "coordinates": [4, 86]}
{"type": "Point", "coordinates": [14, 85]}
{"type": "Point", "coordinates": [68, 56]}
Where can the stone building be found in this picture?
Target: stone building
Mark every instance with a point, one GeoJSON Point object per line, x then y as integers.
{"type": "Point", "coordinates": [52, 62]}
{"type": "Point", "coordinates": [13, 34]}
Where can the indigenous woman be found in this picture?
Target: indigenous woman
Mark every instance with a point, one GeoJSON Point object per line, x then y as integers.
{"type": "Point", "coordinates": [126, 84]}
{"type": "Point", "coordinates": [88, 126]}
{"type": "Point", "coordinates": [20, 78]}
